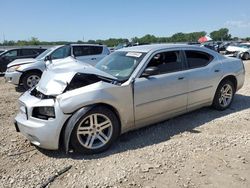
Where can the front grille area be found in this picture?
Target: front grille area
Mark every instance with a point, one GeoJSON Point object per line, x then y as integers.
{"type": "Point", "coordinates": [40, 95]}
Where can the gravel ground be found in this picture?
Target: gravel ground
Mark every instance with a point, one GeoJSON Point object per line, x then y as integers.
{"type": "Point", "coordinates": [205, 148]}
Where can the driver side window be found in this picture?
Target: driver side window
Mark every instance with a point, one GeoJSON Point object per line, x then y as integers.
{"type": "Point", "coordinates": [166, 62]}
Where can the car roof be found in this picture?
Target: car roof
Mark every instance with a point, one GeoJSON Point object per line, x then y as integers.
{"type": "Point", "coordinates": [155, 47]}
{"type": "Point", "coordinates": [87, 45]}
{"type": "Point", "coordinates": [25, 48]}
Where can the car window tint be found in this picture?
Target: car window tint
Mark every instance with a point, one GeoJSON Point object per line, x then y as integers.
{"type": "Point", "coordinates": [39, 50]}
{"type": "Point", "coordinates": [87, 50]}
{"type": "Point", "coordinates": [166, 62]}
{"type": "Point", "coordinates": [26, 52]}
{"type": "Point", "coordinates": [12, 53]}
{"type": "Point", "coordinates": [197, 59]}
{"type": "Point", "coordinates": [61, 52]}
{"type": "Point", "coordinates": [96, 50]}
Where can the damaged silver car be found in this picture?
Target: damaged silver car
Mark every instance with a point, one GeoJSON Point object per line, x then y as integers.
{"type": "Point", "coordinates": [86, 108]}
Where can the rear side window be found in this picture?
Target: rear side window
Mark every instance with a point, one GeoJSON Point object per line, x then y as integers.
{"type": "Point", "coordinates": [87, 50]}
{"type": "Point", "coordinates": [197, 59]}
{"type": "Point", "coordinates": [95, 50]}
{"type": "Point", "coordinates": [26, 52]}
{"type": "Point", "coordinates": [40, 50]}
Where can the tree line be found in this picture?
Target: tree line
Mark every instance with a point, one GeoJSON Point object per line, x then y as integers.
{"type": "Point", "coordinates": [218, 35]}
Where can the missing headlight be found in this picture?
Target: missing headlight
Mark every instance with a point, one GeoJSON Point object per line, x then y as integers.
{"type": "Point", "coordinates": [45, 112]}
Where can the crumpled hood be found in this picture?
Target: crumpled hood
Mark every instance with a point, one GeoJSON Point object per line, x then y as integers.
{"type": "Point", "coordinates": [21, 62]}
{"type": "Point", "coordinates": [55, 79]}
{"type": "Point", "coordinates": [236, 49]}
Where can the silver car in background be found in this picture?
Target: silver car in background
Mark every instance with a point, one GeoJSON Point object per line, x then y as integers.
{"type": "Point", "coordinates": [86, 108]}
{"type": "Point", "coordinates": [27, 72]}
{"type": "Point", "coordinates": [241, 51]}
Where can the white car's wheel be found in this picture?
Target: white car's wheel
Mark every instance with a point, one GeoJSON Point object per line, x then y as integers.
{"type": "Point", "coordinates": [31, 79]}
{"type": "Point", "coordinates": [95, 131]}
{"type": "Point", "coordinates": [246, 56]}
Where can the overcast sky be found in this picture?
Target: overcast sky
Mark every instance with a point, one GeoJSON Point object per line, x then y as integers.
{"type": "Point", "coordinates": [73, 20]}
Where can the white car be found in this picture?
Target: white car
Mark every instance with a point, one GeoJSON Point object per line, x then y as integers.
{"type": "Point", "coordinates": [27, 72]}
{"type": "Point", "coordinates": [241, 51]}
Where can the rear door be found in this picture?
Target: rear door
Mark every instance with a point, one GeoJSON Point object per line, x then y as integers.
{"type": "Point", "coordinates": [204, 74]}
{"type": "Point", "coordinates": [164, 94]}
{"type": "Point", "coordinates": [27, 53]}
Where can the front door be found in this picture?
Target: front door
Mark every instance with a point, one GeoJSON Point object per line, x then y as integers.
{"type": "Point", "coordinates": [164, 94]}
{"type": "Point", "coordinates": [6, 58]}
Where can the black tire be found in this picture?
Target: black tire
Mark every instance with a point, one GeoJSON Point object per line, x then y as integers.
{"type": "Point", "coordinates": [26, 76]}
{"type": "Point", "coordinates": [245, 56]}
{"type": "Point", "coordinates": [76, 143]}
{"type": "Point", "coordinates": [216, 102]}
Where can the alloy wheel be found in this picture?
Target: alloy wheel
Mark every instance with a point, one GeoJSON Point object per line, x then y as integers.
{"type": "Point", "coordinates": [226, 95]}
{"type": "Point", "coordinates": [94, 131]}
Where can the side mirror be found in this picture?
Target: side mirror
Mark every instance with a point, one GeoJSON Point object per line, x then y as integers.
{"type": "Point", "coordinates": [150, 71]}
{"type": "Point", "coordinates": [48, 58]}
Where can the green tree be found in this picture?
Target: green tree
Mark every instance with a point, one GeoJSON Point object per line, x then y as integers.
{"type": "Point", "coordinates": [148, 39]}
{"type": "Point", "coordinates": [221, 34]}
{"type": "Point", "coordinates": [34, 41]}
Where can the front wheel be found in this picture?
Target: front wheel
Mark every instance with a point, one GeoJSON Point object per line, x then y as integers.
{"type": "Point", "coordinates": [31, 79]}
{"type": "Point", "coordinates": [224, 95]}
{"type": "Point", "coordinates": [95, 131]}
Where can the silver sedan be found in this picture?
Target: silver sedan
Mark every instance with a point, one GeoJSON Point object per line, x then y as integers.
{"type": "Point", "coordinates": [86, 108]}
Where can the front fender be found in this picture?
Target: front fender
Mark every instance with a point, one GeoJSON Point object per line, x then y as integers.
{"type": "Point", "coordinates": [71, 124]}
{"type": "Point", "coordinates": [32, 66]}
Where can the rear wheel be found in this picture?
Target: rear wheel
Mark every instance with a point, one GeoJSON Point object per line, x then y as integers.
{"type": "Point", "coordinates": [224, 95]}
{"type": "Point", "coordinates": [95, 131]}
{"type": "Point", "coordinates": [31, 79]}
{"type": "Point", "coordinates": [246, 56]}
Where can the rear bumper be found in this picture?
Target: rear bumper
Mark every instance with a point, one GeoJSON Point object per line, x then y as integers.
{"type": "Point", "coordinates": [13, 77]}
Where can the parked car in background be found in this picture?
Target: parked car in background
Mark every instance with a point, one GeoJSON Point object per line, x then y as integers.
{"type": "Point", "coordinates": [28, 72]}
{"type": "Point", "coordinates": [241, 51]}
{"type": "Point", "coordinates": [17, 53]}
{"type": "Point", "coordinates": [88, 107]}
{"type": "Point", "coordinates": [213, 45]}
{"type": "Point", "coordinates": [223, 46]}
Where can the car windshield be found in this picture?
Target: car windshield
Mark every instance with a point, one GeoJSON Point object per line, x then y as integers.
{"type": "Point", "coordinates": [120, 64]}
{"type": "Point", "coordinates": [44, 54]}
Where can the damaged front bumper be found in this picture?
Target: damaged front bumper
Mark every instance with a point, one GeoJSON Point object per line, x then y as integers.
{"type": "Point", "coordinates": [40, 132]}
